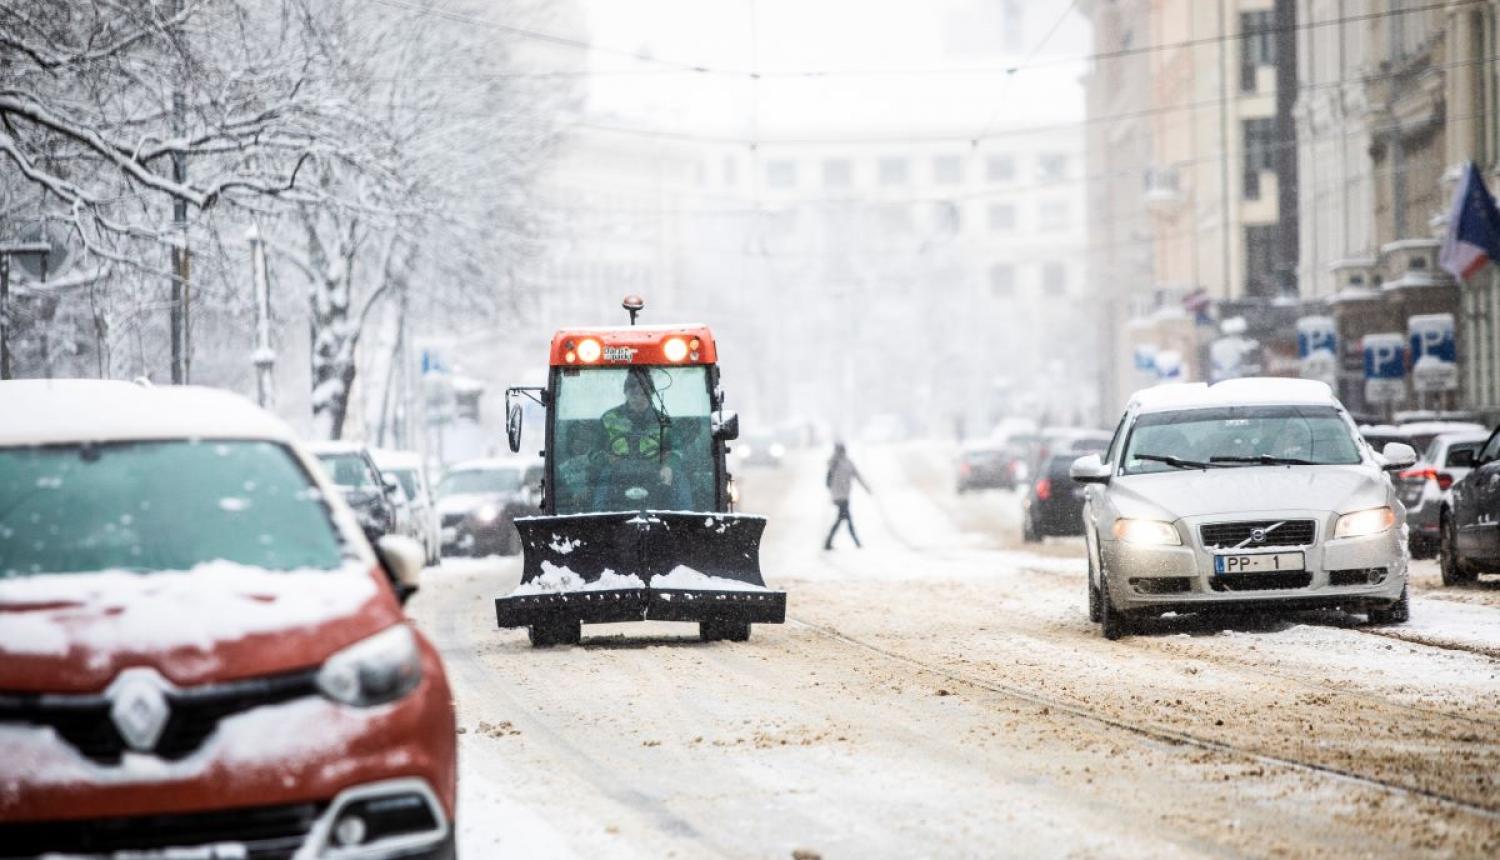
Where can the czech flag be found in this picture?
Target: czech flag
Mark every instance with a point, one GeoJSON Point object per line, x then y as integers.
{"type": "Point", "coordinates": [1473, 227]}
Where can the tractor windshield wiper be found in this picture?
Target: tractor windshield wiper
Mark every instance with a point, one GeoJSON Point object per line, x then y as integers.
{"type": "Point", "coordinates": [1265, 460]}
{"type": "Point", "coordinates": [1177, 462]}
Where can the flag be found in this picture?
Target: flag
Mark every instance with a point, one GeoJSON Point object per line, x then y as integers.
{"type": "Point", "coordinates": [1473, 227]}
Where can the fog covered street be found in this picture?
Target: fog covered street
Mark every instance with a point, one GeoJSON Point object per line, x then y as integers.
{"type": "Point", "coordinates": [941, 693]}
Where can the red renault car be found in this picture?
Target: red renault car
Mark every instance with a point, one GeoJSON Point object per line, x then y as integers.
{"type": "Point", "coordinates": [200, 654]}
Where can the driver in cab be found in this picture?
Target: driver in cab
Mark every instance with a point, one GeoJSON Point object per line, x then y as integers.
{"type": "Point", "coordinates": [636, 435]}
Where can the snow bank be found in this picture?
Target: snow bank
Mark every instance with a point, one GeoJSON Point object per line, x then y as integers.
{"type": "Point", "coordinates": [685, 577]}
{"type": "Point", "coordinates": [556, 579]}
{"type": "Point", "coordinates": [117, 610]}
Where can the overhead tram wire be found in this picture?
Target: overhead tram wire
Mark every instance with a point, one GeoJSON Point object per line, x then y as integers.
{"type": "Point", "coordinates": [1010, 73]}
{"type": "Point", "coordinates": [754, 74]}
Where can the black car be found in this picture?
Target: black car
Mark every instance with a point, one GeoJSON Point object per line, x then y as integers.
{"type": "Point", "coordinates": [1468, 526]}
{"type": "Point", "coordinates": [479, 501]}
{"type": "Point", "coordinates": [368, 492]}
{"type": "Point", "coordinates": [985, 467]}
{"type": "Point", "coordinates": [1054, 503]}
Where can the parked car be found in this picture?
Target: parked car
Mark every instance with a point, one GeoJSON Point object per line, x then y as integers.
{"type": "Point", "coordinates": [479, 501]}
{"type": "Point", "coordinates": [1424, 487]}
{"type": "Point", "coordinates": [421, 522]}
{"type": "Point", "coordinates": [1468, 531]}
{"type": "Point", "coordinates": [200, 653]}
{"type": "Point", "coordinates": [1247, 494]}
{"type": "Point", "coordinates": [985, 466]}
{"type": "Point", "coordinates": [1418, 435]}
{"type": "Point", "coordinates": [1062, 440]}
{"type": "Point", "coordinates": [374, 498]}
{"type": "Point", "coordinates": [1054, 503]}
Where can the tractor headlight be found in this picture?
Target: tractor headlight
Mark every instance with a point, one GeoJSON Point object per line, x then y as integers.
{"type": "Point", "coordinates": [375, 670]}
{"type": "Point", "coordinates": [1364, 523]}
{"type": "Point", "coordinates": [675, 349]}
{"type": "Point", "coordinates": [1146, 532]}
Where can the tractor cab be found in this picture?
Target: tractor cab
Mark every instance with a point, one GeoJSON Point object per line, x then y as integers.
{"type": "Point", "coordinates": [638, 518]}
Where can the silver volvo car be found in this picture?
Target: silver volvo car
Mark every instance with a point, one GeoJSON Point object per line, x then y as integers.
{"type": "Point", "coordinates": [1252, 494]}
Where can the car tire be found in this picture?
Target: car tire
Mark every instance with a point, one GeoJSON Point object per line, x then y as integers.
{"type": "Point", "coordinates": [1397, 613]}
{"type": "Point", "coordinates": [1029, 532]}
{"type": "Point", "coordinates": [719, 629]}
{"type": "Point", "coordinates": [555, 632]}
{"type": "Point", "coordinates": [1451, 564]}
{"type": "Point", "coordinates": [1113, 623]}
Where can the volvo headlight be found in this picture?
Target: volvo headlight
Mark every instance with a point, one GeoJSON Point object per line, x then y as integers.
{"type": "Point", "coordinates": [375, 670]}
{"type": "Point", "coordinates": [1364, 523]}
{"type": "Point", "coordinates": [1147, 532]}
{"type": "Point", "coordinates": [487, 514]}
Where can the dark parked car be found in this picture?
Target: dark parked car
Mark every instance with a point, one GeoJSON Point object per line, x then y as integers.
{"type": "Point", "coordinates": [372, 496]}
{"type": "Point", "coordinates": [479, 501]}
{"type": "Point", "coordinates": [1424, 487]}
{"type": "Point", "coordinates": [1054, 503]}
{"type": "Point", "coordinates": [985, 466]}
{"type": "Point", "coordinates": [1469, 531]}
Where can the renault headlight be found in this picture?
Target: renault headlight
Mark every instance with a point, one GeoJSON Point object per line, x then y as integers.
{"type": "Point", "coordinates": [1364, 523]}
{"type": "Point", "coordinates": [375, 670]}
{"type": "Point", "coordinates": [1147, 532]}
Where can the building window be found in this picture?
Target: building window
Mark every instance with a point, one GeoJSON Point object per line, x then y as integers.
{"type": "Point", "coordinates": [1260, 261]}
{"type": "Point", "coordinates": [1002, 218]}
{"type": "Point", "coordinates": [893, 171]}
{"type": "Point", "coordinates": [1260, 153]}
{"type": "Point", "coordinates": [731, 171]}
{"type": "Point", "coordinates": [837, 173]}
{"type": "Point", "coordinates": [1002, 280]}
{"type": "Point", "coordinates": [1000, 168]}
{"type": "Point", "coordinates": [1257, 45]}
{"type": "Point", "coordinates": [1052, 167]}
{"type": "Point", "coordinates": [1054, 279]}
{"type": "Point", "coordinates": [896, 218]}
{"type": "Point", "coordinates": [781, 174]}
{"type": "Point", "coordinates": [1052, 215]}
{"type": "Point", "coordinates": [947, 170]}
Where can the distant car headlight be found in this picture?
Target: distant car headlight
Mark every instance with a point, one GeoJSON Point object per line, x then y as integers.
{"type": "Point", "coordinates": [1147, 532]}
{"type": "Point", "coordinates": [778, 450]}
{"type": "Point", "coordinates": [487, 514]}
{"type": "Point", "coordinates": [375, 670]}
{"type": "Point", "coordinates": [1364, 523]}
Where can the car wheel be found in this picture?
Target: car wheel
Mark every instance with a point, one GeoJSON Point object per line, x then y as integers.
{"type": "Point", "coordinates": [555, 632]}
{"type": "Point", "coordinates": [1112, 622]}
{"type": "Point", "coordinates": [1397, 613]}
{"type": "Point", "coordinates": [1029, 533]}
{"type": "Point", "coordinates": [1454, 570]}
{"type": "Point", "coordinates": [717, 629]}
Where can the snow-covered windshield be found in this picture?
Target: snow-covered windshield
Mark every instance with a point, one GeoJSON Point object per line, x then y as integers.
{"type": "Point", "coordinates": [499, 480]}
{"type": "Point", "coordinates": [1239, 435]}
{"type": "Point", "coordinates": [611, 420]}
{"type": "Point", "coordinates": [348, 471]}
{"type": "Point", "coordinates": [156, 506]}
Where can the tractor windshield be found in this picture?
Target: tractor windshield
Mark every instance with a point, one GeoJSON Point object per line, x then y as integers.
{"type": "Point", "coordinates": [633, 438]}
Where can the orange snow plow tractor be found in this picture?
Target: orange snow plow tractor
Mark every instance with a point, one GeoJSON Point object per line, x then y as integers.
{"type": "Point", "coordinates": [638, 520]}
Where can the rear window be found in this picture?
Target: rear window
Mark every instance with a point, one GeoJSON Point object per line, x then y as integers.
{"type": "Point", "coordinates": [348, 470]}
{"type": "Point", "coordinates": [1457, 450]}
{"type": "Point", "coordinates": [160, 506]}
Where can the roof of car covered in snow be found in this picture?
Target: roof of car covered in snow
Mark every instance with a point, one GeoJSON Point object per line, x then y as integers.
{"type": "Point", "coordinates": [1233, 392]}
{"type": "Point", "coordinates": [53, 411]}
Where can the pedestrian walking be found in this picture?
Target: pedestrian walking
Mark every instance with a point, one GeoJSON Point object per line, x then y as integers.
{"type": "Point", "coordinates": [840, 480]}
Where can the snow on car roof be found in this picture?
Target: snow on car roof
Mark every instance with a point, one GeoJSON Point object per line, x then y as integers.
{"type": "Point", "coordinates": [1423, 427]}
{"type": "Point", "coordinates": [390, 458]}
{"type": "Point", "coordinates": [492, 463]}
{"type": "Point", "coordinates": [52, 411]}
{"type": "Point", "coordinates": [335, 447]}
{"type": "Point", "coordinates": [1233, 392]}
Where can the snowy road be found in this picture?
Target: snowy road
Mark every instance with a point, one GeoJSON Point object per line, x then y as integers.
{"type": "Point", "coordinates": [941, 693]}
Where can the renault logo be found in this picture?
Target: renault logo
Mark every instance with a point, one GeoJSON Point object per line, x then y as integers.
{"type": "Point", "coordinates": [139, 708]}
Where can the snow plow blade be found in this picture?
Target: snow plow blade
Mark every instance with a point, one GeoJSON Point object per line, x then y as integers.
{"type": "Point", "coordinates": [664, 566]}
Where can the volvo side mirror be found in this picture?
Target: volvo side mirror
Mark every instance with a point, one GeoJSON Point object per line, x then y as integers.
{"type": "Point", "coordinates": [1398, 455]}
{"type": "Point", "coordinates": [402, 559]}
{"type": "Point", "coordinates": [1090, 469]}
{"type": "Point", "coordinates": [726, 426]}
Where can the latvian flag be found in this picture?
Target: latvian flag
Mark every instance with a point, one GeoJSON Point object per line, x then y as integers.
{"type": "Point", "coordinates": [1473, 227]}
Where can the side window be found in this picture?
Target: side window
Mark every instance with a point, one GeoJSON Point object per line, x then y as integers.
{"type": "Point", "coordinates": [1491, 450]}
{"type": "Point", "coordinates": [1112, 454]}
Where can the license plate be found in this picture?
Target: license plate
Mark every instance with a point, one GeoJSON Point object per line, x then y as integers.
{"type": "Point", "coordinates": [1267, 562]}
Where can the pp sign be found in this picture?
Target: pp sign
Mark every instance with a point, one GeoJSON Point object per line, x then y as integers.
{"type": "Point", "coordinates": [1385, 367]}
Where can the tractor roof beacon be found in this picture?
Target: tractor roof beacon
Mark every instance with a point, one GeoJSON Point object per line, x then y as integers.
{"type": "Point", "coordinates": [637, 517]}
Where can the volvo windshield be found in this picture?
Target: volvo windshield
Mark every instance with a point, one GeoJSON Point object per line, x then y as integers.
{"type": "Point", "coordinates": [1239, 436]}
